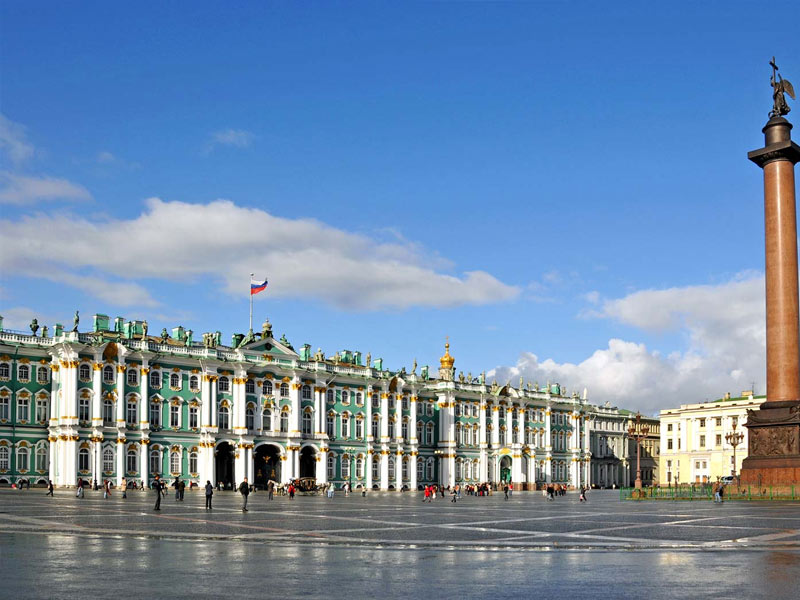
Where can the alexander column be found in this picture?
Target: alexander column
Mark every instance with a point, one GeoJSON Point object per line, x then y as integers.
{"type": "Point", "coordinates": [774, 429]}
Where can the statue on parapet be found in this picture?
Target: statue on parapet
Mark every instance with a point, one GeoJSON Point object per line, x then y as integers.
{"type": "Point", "coordinates": [75, 320]}
{"type": "Point", "coordinates": [189, 333]}
{"type": "Point", "coordinates": [319, 356]}
{"type": "Point", "coordinates": [144, 329]}
{"type": "Point", "coordinates": [164, 335]}
{"type": "Point", "coordinates": [34, 327]}
{"type": "Point", "coordinates": [44, 331]}
{"type": "Point", "coordinates": [414, 367]}
{"type": "Point", "coordinates": [780, 86]}
{"type": "Point", "coordinates": [266, 329]}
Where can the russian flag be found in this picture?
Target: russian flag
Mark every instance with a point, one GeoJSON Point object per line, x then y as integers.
{"type": "Point", "coordinates": [257, 286]}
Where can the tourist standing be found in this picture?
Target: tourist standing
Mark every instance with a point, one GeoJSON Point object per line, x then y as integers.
{"type": "Point", "coordinates": [209, 493]}
{"type": "Point", "coordinates": [244, 490]}
{"type": "Point", "coordinates": [157, 488]}
{"type": "Point", "coordinates": [106, 489]}
{"type": "Point", "coordinates": [181, 489]}
{"type": "Point", "coordinates": [124, 487]}
{"type": "Point", "coordinates": [291, 491]}
{"type": "Point", "coordinates": [510, 488]}
{"type": "Point", "coordinates": [505, 491]}
{"type": "Point", "coordinates": [583, 494]}
{"type": "Point", "coordinates": [271, 490]}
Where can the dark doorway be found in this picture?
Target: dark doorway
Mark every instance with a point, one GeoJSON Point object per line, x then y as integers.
{"type": "Point", "coordinates": [505, 469]}
{"type": "Point", "coordinates": [308, 462]}
{"type": "Point", "coordinates": [266, 465]}
{"type": "Point", "coordinates": [223, 456]}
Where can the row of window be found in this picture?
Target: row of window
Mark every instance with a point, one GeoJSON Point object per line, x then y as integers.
{"type": "Point", "coordinates": [24, 373]}
{"type": "Point", "coordinates": [425, 468]}
{"type": "Point", "coordinates": [23, 459]}
{"type": "Point", "coordinates": [702, 422]}
{"type": "Point", "coordinates": [23, 414]}
{"type": "Point", "coordinates": [132, 461]}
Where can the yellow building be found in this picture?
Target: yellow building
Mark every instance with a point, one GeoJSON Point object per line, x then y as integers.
{"type": "Point", "coordinates": [694, 446]}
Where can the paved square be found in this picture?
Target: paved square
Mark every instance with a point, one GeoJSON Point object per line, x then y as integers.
{"type": "Point", "coordinates": [393, 544]}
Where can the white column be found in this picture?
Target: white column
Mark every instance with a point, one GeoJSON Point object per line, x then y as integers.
{"type": "Point", "coordinates": [238, 421]}
{"type": "Point", "coordinates": [385, 469]}
{"type": "Point", "coordinates": [412, 422]}
{"type": "Point", "coordinates": [205, 402]}
{"type": "Point", "coordinates": [548, 469]}
{"type": "Point", "coordinates": [319, 411]}
{"type": "Point", "coordinates": [120, 450]}
{"type": "Point", "coordinates": [249, 463]}
{"type": "Point", "coordinates": [212, 383]}
{"type": "Point", "coordinates": [398, 470]}
{"type": "Point", "coordinates": [384, 418]}
{"type": "Point", "coordinates": [412, 465]}
{"type": "Point", "coordinates": [144, 414]}
{"type": "Point", "coordinates": [296, 462]}
{"type": "Point", "coordinates": [495, 427]}
{"type": "Point", "coordinates": [144, 462]}
{"type": "Point", "coordinates": [294, 418]}
{"type": "Point", "coordinates": [548, 441]}
{"type": "Point", "coordinates": [121, 394]}
{"type": "Point", "coordinates": [97, 393]}
{"type": "Point", "coordinates": [368, 420]}
{"type": "Point", "coordinates": [322, 466]}
{"type": "Point", "coordinates": [239, 466]}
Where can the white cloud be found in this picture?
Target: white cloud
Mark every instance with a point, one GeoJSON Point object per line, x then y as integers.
{"type": "Point", "coordinates": [20, 317]}
{"type": "Point", "coordinates": [302, 258]}
{"type": "Point", "coordinates": [116, 293]}
{"type": "Point", "coordinates": [724, 329]}
{"type": "Point", "coordinates": [105, 157]}
{"type": "Point", "coordinates": [13, 140]}
{"type": "Point", "coordinates": [237, 138]}
{"type": "Point", "coordinates": [22, 189]}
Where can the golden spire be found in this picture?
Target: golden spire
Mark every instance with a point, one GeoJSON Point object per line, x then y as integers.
{"type": "Point", "coordinates": [447, 361]}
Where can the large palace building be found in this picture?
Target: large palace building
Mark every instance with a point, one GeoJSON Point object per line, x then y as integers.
{"type": "Point", "coordinates": [116, 402]}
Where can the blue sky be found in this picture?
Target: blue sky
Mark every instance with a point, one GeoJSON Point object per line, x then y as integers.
{"type": "Point", "coordinates": [563, 181]}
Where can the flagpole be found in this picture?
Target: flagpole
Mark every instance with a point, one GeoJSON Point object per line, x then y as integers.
{"type": "Point", "coordinates": [251, 302]}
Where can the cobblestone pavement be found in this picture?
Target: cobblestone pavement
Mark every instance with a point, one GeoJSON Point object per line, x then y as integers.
{"type": "Point", "coordinates": [392, 543]}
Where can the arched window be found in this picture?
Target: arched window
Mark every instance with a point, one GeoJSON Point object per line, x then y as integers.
{"type": "Point", "coordinates": [5, 371]}
{"type": "Point", "coordinates": [108, 374]}
{"type": "Point", "coordinates": [193, 417]}
{"type": "Point", "coordinates": [405, 403]}
{"type": "Point", "coordinates": [132, 461]}
{"type": "Point", "coordinates": [329, 396]}
{"type": "Point", "coordinates": [108, 460]}
{"type": "Point", "coordinates": [194, 383]}
{"type": "Point", "coordinates": [132, 377]}
{"type": "Point", "coordinates": [108, 411]}
{"type": "Point", "coordinates": [266, 388]}
{"type": "Point", "coordinates": [175, 381]}
{"type": "Point", "coordinates": [41, 410]}
{"type": "Point", "coordinates": [429, 434]}
{"type": "Point", "coordinates": [284, 390]}
{"type": "Point", "coordinates": [476, 469]}
{"type": "Point", "coordinates": [345, 466]}
{"type": "Point", "coordinates": [155, 379]}
{"type": "Point", "coordinates": [330, 425]}
{"type": "Point", "coordinates": [174, 415]}
{"type": "Point", "coordinates": [359, 399]}
{"type": "Point", "coordinates": [266, 419]}
{"type": "Point", "coordinates": [404, 430]}
{"type": "Point", "coordinates": [83, 409]}
{"type": "Point", "coordinates": [359, 427]}
{"type": "Point", "coordinates": [24, 373]}
{"type": "Point", "coordinates": [376, 403]}
{"type": "Point", "coordinates": [250, 418]}
{"type": "Point", "coordinates": [429, 409]}
{"type": "Point", "coordinates": [392, 472]}
{"type": "Point", "coordinates": [459, 435]}
{"type": "Point", "coordinates": [345, 425]}
{"type": "Point", "coordinates": [155, 461]}
{"type": "Point", "coordinates": [223, 385]}
{"type": "Point", "coordinates": [41, 459]}
{"type": "Point", "coordinates": [376, 468]}
{"type": "Point", "coordinates": [42, 375]}
{"type": "Point", "coordinates": [376, 426]}
{"type": "Point", "coordinates": [404, 470]}
{"type": "Point", "coordinates": [458, 409]}
{"type": "Point", "coordinates": [23, 409]}
{"type": "Point", "coordinates": [224, 417]}
{"type": "Point", "coordinates": [307, 421]}
{"type": "Point", "coordinates": [250, 387]}
{"type": "Point", "coordinates": [467, 469]}
{"type": "Point", "coordinates": [193, 463]}
{"type": "Point", "coordinates": [155, 413]}
{"type": "Point", "coordinates": [130, 413]}
{"type": "Point", "coordinates": [420, 431]}
{"type": "Point", "coordinates": [345, 397]}
{"type": "Point", "coordinates": [306, 392]}
{"type": "Point", "coordinates": [391, 402]}
{"type": "Point", "coordinates": [420, 470]}
{"type": "Point", "coordinates": [84, 372]}
{"type": "Point", "coordinates": [331, 465]}
{"type": "Point", "coordinates": [285, 420]}
{"type": "Point", "coordinates": [459, 470]}
{"type": "Point", "coordinates": [360, 467]}
{"type": "Point", "coordinates": [83, 460]}
{"type": "Point", "coordinates": [175, 462]}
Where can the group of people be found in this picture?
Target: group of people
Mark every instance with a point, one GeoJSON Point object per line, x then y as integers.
{"type": "Point", "coordinates": [551, 490]}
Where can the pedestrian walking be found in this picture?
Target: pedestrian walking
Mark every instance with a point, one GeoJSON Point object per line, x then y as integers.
{"type": "Point", "coordinates": [181, 489]}
{"type": "Point", "coordinates": [49, 487]}
{"type": "Point", "coordinates": [177, 485]}
{"type": "Point", "coordinates": [271, 490]}
{"type": "Point", "coordinates": [331, 490]}
{"type": "Point", "coordinates": [244, 490]}
{"type": "Point", "coordinates": [106, 489]}
{"type": "Point", "coordinates": [157, 487]}
{"type": "Point", "coordinates": [291, 491]}
{"type": "Point", "coordinates": [583, 494]}
{"type": "Point", "coordinates": [209, 493]}
{"type": "Point", "coordinates": [79, 492]}
{"type": "Point", "coordinates": [124, 487]}
{"type": "Point", "coordinates": [510, 488]}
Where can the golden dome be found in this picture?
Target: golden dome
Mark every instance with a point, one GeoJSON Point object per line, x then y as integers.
{"type": "Point", "coordinates": [447, 361]}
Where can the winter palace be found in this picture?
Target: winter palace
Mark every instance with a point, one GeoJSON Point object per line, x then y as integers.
{"type": "Point", "coordinates": [118, 402]}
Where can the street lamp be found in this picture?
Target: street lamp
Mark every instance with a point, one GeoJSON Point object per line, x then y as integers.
{"type": "Point", "coordinates": [351, 455]}
{"type": "Point", "coordinates": [638, 432]}
{"type": "Point", "coordinates": [734, 438]}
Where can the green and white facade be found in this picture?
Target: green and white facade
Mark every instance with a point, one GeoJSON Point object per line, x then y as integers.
{"type": "Point", "coordinates": [115, 402]}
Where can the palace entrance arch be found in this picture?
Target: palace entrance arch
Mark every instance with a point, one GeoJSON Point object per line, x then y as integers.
{"type": "Point", "coordinates": [223, 458]}
{"type": "Point", "coordinates": [266, 465]}
{"type": "Point", "coordinates": [308, 462]}
{"type": "Point", "coordinates": [505, 469]}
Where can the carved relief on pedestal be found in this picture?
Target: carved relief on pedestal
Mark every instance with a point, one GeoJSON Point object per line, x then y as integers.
{"type": "Point", "coordinates": [773, 441]}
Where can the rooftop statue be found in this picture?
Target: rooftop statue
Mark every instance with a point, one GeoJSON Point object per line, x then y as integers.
{"type": "Point", "coordinates": [414, 367]}
{"type": "Point", "coordinates": [75, 320]}
{"type": "Point", "coordinates": [34, 327]}
{"type": "Point", "coordinates": [164, 335]}
{"type": "Point", "coordinates": [144, 329]}
{"type": "Point", "coordinates": [780, 86]}
{"type": "Point", "coordinates": [44, 331]}
{"type": "Point", "coordinates": [369, 360]}
{"type": "Point", "coordinates": [319, 356]}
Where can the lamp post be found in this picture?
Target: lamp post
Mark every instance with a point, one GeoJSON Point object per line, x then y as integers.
{"type": "Point", "coordinates": [351, 456]}
{"type": "Point", "coordinates": [638, 432]}
{"type": "Point", "coordinates": [734, 438]}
